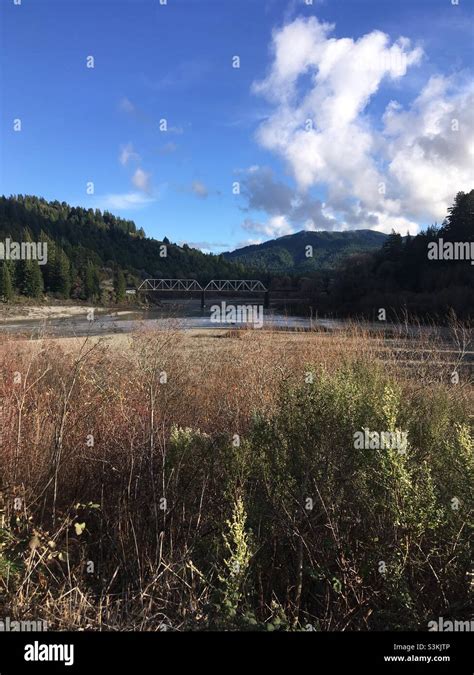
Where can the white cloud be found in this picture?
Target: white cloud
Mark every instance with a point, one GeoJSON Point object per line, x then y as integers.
{"type": "Point", "coordinates": [389, 176]}
{"type": "Point", "coordinates": [127, 153]}
{"type": "Point", "coordinates": [431, 146]}
{"type": "Point", "coordinates": [128, 200]}
{"type": "Point", "coordinates": [275, 226]}
{"type": "Point", "coordinates": [141, 180]}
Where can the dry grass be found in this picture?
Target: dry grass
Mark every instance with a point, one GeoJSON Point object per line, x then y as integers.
{"type": "Point", "coordinates": [85, 439]}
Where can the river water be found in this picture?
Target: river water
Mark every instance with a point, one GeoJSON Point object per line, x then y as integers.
{"type": "Point", "coordinates": [187, 316]}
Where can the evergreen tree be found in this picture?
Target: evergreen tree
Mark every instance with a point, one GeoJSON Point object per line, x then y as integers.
{"type": "Point", "coordinates": [48, 269]}
{"type": "Point", "coordinates": [120, 286]}
{"type": "Point", "coordinates": [62, 275]}
{"type": "Point", "coordinates": [91, 281]}
{"type": "Point", "coordinates": [77, 284]}
{"type": "Point", "coordinates": [33, 279]}
{"type": "Point", "coordinates": [393, 247]}
{"type": "Point", "coordinates": [6, 286]}
{"type": "Point", "coordinates": [20, 275]}
{"type": "Point", "coordinates": [459, 224]}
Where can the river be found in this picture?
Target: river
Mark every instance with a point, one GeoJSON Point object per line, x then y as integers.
{"type": "Point", "coordinates": [186, 315]}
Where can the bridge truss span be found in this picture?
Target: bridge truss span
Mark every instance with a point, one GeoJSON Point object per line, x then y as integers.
{"type": "Point", "coordinates": [220, 285]}
{"type": "Point", "coordinates": [170, 285]}
{"type": "Point", "coordinates": [216, 285]}
{"type": "Point", "coordinates": [245, 285]}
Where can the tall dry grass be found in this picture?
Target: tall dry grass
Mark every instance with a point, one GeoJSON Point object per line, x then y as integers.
{"type": "Point", "coordinates": [138, 489]}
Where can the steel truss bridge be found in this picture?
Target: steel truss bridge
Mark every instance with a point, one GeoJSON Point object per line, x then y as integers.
{"type": "Point", "coordinates": [216, 285]}
{"type": "Point", "coordinates": [170, 285]}
{"type": "Point", "coordinates": [221, 285]}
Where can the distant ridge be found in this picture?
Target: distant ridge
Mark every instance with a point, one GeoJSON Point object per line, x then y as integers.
{"type": "Point", "coordinates": [288, 253]}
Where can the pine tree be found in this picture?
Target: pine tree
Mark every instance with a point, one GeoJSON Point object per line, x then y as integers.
{"type": "Point", "coordinates": [91, 281]}
{"type": "Point", "coordinates": [48, 269]}
{"type": "Point", "coordinates": [393, 246]}
{"type": "Point", "coordinates": [77, 284]}
{"type": "Point", "coordinates": [62, 274]}
{"type": "Point", "coordinates": [459, 225]}
{"type": "Point", "coordinates": [33, 279]}
{"type": "Point", "coordinates": [28, 276]}
{"type": "Point", "coordinates": [120, 286]}
{"type": "Point", "coordinates": [6, 286]}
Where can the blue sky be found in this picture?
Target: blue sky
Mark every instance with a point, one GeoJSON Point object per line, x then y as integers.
{"type": "Point", "coordinates": [375, 168]}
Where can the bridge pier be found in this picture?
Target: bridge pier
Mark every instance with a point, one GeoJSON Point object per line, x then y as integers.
{"type": "Point", "coordinates": [203, 300]}
{"type": "Point", "coordinates": [266, 302]}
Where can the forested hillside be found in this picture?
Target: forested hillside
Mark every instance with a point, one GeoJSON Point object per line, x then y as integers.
{"type": "Point", "coordinates": [402, 276]}
{"type": "Point", "coordinates": [92, 254]}
{"type": "Point", "coordinates": [307, 252]}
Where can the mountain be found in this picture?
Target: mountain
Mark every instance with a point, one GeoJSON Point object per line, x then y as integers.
{"type": "Point", "coordinates": [289, 254]}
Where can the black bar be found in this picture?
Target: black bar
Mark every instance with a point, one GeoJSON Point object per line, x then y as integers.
{"type": "Point", "coordinates": [321, 652]}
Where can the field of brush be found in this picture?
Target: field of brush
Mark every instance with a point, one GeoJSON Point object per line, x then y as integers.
{"type": "Point", "coordinates": [209, 480]}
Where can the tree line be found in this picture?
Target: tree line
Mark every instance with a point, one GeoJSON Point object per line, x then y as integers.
{"type": "Point", "coordinates": [92, 255]}
{"type": "Point", "coordinates": [400, 276]}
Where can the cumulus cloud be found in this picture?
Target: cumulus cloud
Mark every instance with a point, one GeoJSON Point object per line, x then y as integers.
{"type": "Point", "coordinates": [287, 207]}
{"type": "Point", "coordinates": [392, 172]}
{"type": "Point", "coordinates": [431, 146]}
{"type": "Point", "coordinates": [142, 180]}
